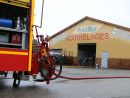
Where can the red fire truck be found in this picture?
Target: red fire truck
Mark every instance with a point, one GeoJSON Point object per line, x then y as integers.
{"type": "Point", "coordinates": [18, 54]}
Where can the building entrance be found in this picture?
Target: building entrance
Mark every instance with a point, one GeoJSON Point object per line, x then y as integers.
{"type": "Point", "coordinates": [86, 54]}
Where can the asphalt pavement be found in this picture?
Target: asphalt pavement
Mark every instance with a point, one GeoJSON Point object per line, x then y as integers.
{"type": "Point", "coordinates": [62, 88]}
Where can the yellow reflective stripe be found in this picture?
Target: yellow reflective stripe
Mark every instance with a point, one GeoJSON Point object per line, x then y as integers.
{"type": "Point", "coordinates": [13, 53]}
{"type": "Point", "coordinates": [16, 3]}
{"type": "Point", "coordinates": [31, 35]}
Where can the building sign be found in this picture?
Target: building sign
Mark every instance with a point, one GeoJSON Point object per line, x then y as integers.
{"type": "Point", "coordinates": [83, 37]}
{"type": "Point", "coordinates": [88, 29]}
{"type": "Point", "coordinates": [121, 33]}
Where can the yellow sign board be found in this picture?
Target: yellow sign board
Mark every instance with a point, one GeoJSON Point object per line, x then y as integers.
{"type": "Point", "coordinates": [20, 3]}
{"type": "Point", "coordinates": [27, 1]}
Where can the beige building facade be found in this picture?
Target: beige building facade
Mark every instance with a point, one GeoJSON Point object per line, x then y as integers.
{"type": "Point", "coordinates": [92, 42]}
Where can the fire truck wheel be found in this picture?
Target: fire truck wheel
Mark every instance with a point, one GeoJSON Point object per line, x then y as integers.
{"type": "Point", "coordinates": [56, 68]}
{"type": "Point", "coordinates": [16, 76]}
{"type": "Point", "coordinates": [50, 68]}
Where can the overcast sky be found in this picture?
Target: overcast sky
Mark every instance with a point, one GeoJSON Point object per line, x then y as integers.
{"type": "Point", "coordinates": [58, 14]}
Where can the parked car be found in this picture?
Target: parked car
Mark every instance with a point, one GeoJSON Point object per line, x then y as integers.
{"type": "Point", "coordinates": [59, 56]}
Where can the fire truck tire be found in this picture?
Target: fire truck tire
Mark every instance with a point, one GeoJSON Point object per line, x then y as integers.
{"type": "Point", "coordinates": [6, 74]}
{"type": "Point", "coordinates": [53, 71]}
{"type": "Point", "coordinates": [16, 76]}
{"type": "Point", "coordinates": [16, 82]}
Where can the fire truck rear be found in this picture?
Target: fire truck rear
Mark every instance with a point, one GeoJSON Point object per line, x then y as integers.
{"type": "Point", "coordinates": [17, 55]}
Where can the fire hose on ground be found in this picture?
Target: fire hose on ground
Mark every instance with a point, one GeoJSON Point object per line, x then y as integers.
{"type": "Point", "coordinates": [92, 77]}
{"type": "Point", "coordinates": [88, 77]}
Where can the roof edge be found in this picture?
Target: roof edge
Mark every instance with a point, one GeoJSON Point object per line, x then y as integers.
{"type": "Point", "coordinates": [84, 18]}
